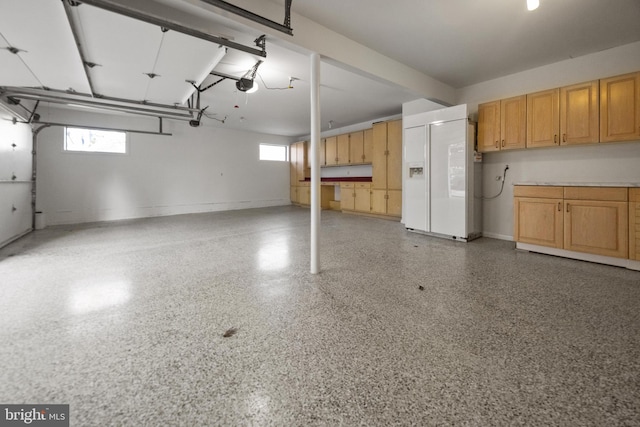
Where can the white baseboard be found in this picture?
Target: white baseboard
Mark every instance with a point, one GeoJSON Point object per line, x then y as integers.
{"type": "Point", "coordinates": [600, 259]}
{"type": "Point", "coordinates": [78, 217]}
{"type": "Point", "coordinates": [497, 236]}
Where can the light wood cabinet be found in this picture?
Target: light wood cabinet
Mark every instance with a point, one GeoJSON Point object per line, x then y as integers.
{"type": "Point", "coordinates": [543, 118]}
{"type": "Point", "coordinates": [502, 125]}
{"type": "Point", "coordinates": [331, 147]}
{"type": "Point", "coordinates": [362, 197]}
{"type": "Point", "coordinates": [489, 126]}
{"type": "Point", "coordinates": [579, 113]}
{"type": "Point", "coordinates": [356, 147]}
{"type": "Point", "coordinates": [355, 196]}
{"type": "Point", "coordinates": [342, 149]}
{"type": "Point", "coordinates": [596, 220]}
{"type": "Point", "coordinates": [347, 196]}
{"type": "Point", "coordinates": [591, 220]}
{"type": "Point", "coordinates": [323, 152]}
{"type": "Point", "coordinates": [513, 122]}
{"type": "Point", "coordinates": [367, 146]}
{"type": "Point", "coordinates": [538, 217]}
{"type": "Point", "coordinates": [386, 167]}
{"type": "Point", "coordinates": [620, 108]}
{"type": "Point", "coordinates": [304, 193]}
{"type": "Point", "coordinates": [634, 224]}
{"type": "Point", "coordinates": [298, 170]}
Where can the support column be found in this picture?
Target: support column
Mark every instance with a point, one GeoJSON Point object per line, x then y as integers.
{"type": "Point", "coordinates": [315, 163]}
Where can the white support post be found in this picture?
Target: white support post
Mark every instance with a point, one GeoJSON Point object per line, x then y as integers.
{"type": "Point", "coordinates": [315, 163]}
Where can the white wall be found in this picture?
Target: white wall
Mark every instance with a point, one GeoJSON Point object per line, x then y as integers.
{"type": "Point", "coordinates": [196, 170]}
{"type": "Point", "coordinates": [618, 162]}
{"type": "Point", "coordinates": [15, 194]}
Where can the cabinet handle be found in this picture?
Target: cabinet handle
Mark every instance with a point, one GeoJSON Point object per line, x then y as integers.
{"type": "Point", "coordinates": [559, 206]}
{"type": "Point", "coordinates": [567, 207]}
{"type": "Point", "coordinates": [503, 142]}
{"type": "Point", "coordinates": [497, 144]}
{"type": "Point", "coordinates": [564, 137]}
{"type": "Point", "coordinates": [555, 139]}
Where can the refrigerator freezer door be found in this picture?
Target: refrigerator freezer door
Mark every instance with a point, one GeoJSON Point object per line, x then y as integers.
{"type": "Point", "coordinates": [448, 187]}
{"type": "Point", "coordinates": [415, 177]}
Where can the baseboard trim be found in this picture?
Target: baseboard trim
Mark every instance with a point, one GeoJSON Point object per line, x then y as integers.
{"type": "Point", "coordinates": [600, 259]}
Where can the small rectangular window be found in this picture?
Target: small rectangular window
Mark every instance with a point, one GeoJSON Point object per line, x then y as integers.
{"type": "Point", "coordinates": [95, 141]}
{"type": "Point", "coordinates": [274, 152]}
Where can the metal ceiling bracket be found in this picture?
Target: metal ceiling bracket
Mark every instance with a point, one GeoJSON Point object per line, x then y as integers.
{"type": "Point", "coordinates": [116, 7]}
{"type": "Point", "coordinates": [286, 28]}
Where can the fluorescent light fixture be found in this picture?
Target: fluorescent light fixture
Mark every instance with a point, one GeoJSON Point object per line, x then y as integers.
{"type": "Point", "coordinates": [533, 4]}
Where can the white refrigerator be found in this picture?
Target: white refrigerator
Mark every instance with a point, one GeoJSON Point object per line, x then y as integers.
{"type": "Point", "coordinates": [441, 174]}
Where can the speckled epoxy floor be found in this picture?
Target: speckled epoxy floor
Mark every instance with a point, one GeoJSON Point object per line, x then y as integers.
{"type": "Point", "coordinates": [125, 322]}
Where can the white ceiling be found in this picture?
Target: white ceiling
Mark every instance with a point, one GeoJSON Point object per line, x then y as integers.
{"type": "Point", "coordinates": [458, 42]}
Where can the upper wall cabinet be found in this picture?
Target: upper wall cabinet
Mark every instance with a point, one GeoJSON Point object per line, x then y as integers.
{"type": "Point", "coordinates": [564, 116]}
{"type": "Point", "coordinates": [620, 108]}
{"type": "Point", "coordinates": [489, 126]}
{"type": "Point", "coordinates": [513, 122]}
{"type": "Point", "coordinates": [502, 125]}
{"type": "Point", "coordinates": [543, 118]}
{"type": "Point", "coordinates": [579, 115]}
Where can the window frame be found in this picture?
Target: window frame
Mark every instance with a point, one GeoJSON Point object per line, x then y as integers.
{"type": "Point", "coordinates": [285, 149]}
{"type": "Point", "coordinates": [65, 148]}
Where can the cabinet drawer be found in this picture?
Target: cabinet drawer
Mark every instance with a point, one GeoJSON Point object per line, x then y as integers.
{"type": "Point", "coordinates": [614, 194]}
{"type": "Point", "coordinates": [548, 192]}
{"type": "Point", "coordinates": [346, 185]}
{"type": "Point", "coordinates": [362, 185]}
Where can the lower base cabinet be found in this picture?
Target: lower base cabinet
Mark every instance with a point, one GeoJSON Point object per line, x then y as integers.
{"type": "Point", "coordinates": [386, 202]}
{"type": "Point", "coordinates": [592, 220]}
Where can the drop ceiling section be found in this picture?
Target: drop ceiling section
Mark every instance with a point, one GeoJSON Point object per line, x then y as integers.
{"type": "Point", "coordinates": [48, 55]}
{"type": "Point", "coordinates": [128, 51]}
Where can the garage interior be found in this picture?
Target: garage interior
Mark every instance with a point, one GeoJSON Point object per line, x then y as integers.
{"type": "Point", "coordinates": [171, 284]}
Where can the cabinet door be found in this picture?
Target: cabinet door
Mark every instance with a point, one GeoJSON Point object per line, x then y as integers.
{"type": "Point", "coordinates": [301, 160]}
{"type": "Point", "coordinates": [489, 126]}
{"type": "Point", "coordinates": [513, 122]}
{"type": "Point", "coordinates": [362, 197]}
{"type": "Point", "coordinates": [394, 155]}
{"type": "Point", "coordinates": [347, 197]}
{"type": "Point", "coordinates": [356, 147]}
{"type": "Point", "coordinates": [379, 201]}
{"type": "Point", "coordinates": [294, 194]}
{"type": "Point", "coordinates": [367, 146]}
{"type": "Point", "coordinates": [538, 221]}
{"type": "Point", "coordinates": [620, 108]}
{"type": "Point", "coordinates": [579, 114]}
{"type": "Point", "coordinates": [596, 227]}
{"type": "Point", "coordinates": [379, 157]}
{"type": "Point", "coordinates": [394, 203]}
{"type": "Point", "coordinates": [293, 168]}
{"type": "Point", "coordinates": [543, 118]}
{"type": "Point", "coordinates": [342, 150]}
{"type": "Point", "coordinates": [332, 154]}
{"type": "Point", "coordinates": [634, 224]}
{"type": "Point", "coordinates": [304, 195]}
{"type": "Point", "coordinates": [323, 152]}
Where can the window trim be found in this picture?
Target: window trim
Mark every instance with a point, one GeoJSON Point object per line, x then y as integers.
{"type": "Point", "coordinates": [284, 147]}
{"type": "Point", "coordinates": [90, 128]}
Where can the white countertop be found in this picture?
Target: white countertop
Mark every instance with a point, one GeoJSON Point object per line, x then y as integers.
{"type": "Point", "coordinates": [581, 184]}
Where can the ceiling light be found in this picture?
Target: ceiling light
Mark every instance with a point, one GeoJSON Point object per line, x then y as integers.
{"type": "Point", "coordinates": [533, 4]}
